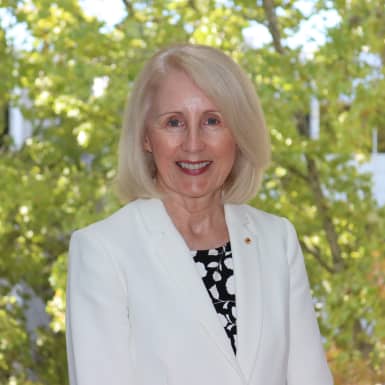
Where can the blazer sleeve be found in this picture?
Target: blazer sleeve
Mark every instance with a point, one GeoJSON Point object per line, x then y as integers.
{"type": "Point", "coordinates": [97, 323]}
{"type": "Point", "coordinates": [307, 363]}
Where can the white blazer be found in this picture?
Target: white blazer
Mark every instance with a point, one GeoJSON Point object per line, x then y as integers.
{"type": "Point", "coordinates": [138, 312]}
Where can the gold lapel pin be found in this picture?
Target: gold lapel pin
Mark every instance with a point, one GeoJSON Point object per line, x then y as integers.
{"type": "Point", "coordinates": [248, 240]}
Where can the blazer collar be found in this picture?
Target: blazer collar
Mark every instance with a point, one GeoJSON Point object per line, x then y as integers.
{"type": "Point", "coordinates": [181, 269]}
{"type": "Point", "coordinates": [246, 251]}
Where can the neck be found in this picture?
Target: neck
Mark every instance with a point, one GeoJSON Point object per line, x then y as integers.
{"type": "Point", "coordinates": [194, 211]}
{"type": "Point", "coordinates": [201, 221]}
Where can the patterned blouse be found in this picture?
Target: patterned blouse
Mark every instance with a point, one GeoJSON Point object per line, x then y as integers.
{"type": "Point", "coordinates": [215, 266]}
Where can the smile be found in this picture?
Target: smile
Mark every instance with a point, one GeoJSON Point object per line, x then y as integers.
{"type": "Point", "coordinates": [193, 165]}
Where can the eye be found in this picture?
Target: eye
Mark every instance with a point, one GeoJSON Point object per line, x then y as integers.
{"type": "Point", "coordinates": [213, 121]}
{"type": "Point", "coordinates": [175, 122]}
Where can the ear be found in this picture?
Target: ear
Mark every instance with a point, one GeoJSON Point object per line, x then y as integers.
{"type": "Point", "coordinates": [147, 144]}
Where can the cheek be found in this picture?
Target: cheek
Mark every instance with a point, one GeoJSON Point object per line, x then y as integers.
{"type": "Point", "coordinates": [164, 143]}
{"type": "Point", "coordinates": [163, 151]}
{"type": "Point", "coordinates": [229, 149]}
{"type": "Point", "coordinates": [229, 156]}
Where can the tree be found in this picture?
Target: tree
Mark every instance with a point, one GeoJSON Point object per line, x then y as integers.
{"type": "Point", "coordinates": [61, 178]}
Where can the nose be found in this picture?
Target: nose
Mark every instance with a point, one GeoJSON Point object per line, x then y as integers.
{"type": "Point", "coordinates": [193, 140]}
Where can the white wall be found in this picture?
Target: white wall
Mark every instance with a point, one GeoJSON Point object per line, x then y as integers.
{"type": "Point", "coordinates": [19, 128]}
{"type": "Point", "coordinates": [376, 166]}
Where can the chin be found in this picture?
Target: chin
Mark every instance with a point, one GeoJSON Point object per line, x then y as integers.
{"type": "Point", "coordinates": [198, 193]}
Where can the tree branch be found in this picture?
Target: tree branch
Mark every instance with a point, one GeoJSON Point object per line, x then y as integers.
{"type": "Point", "coordinates": [315, 252]}
{"type": "Point", "coordinates": [331, 233]}
{"type": "Point", "coordinates": [296, 172]}
{"type": "Point", "coordinates": [128, 6]}
{"type": "Point", "coordinates": [4, 131]}
{"type": "Point", "coordinates": [192, 4]}
{"type": "Point", "coordinates": [312, 170]}
{"type": "Point", "coordinates": [272, 21]}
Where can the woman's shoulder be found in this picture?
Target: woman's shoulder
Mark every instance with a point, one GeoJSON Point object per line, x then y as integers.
{"type": "Point", "coordinates": [264, 222]}
{"type": "Point", "coordinates": [122, 220]}
{"type": "Point", "coordinates": [255, 214]}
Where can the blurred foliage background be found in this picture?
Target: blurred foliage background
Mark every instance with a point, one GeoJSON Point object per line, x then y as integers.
{"type": "Point", "coordinates": [61, 178]}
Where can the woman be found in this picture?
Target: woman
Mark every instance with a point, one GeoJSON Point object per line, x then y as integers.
{"type": "Point", "coordinates": [187, 285]}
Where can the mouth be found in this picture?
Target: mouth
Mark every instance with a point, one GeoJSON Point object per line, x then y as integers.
{"type": "Point", "coordinates": [193, 168]}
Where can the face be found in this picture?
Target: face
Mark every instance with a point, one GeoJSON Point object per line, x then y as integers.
{"type": "Point", "coordinates": [193, 149]}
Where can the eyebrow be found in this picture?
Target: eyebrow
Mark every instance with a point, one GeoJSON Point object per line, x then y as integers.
{"type": "Point", "coordinates": [180, 112]}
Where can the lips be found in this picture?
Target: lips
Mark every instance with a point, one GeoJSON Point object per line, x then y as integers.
{"type": "Point", "coordinates": [194, 168]}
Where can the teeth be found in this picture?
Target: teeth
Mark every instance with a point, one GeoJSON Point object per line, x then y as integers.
{"type": "Point", "coordinates": [193, 166]}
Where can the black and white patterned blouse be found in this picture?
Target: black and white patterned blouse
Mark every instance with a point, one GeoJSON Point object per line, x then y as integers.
{"type": "Point", "coordinates": [215, 266]}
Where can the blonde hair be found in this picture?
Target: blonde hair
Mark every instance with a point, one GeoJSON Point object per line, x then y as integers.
{"type": "Point", "coordinates": [227, 85]}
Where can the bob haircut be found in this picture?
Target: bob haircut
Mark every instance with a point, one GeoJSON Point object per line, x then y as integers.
{"type": "Point", "coordinates": [231, 90]}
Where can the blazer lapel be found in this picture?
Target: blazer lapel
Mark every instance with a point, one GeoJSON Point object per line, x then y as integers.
{"type": "Point", "coordinates": [247, 270]}
{"type": "Point", "coordinates": [174, 255]}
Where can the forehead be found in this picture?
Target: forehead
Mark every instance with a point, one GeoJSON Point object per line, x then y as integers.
{"type": "Point", "coordinates": [177, 92]}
